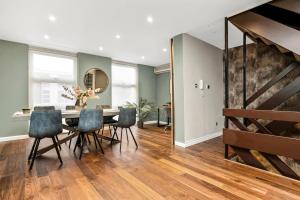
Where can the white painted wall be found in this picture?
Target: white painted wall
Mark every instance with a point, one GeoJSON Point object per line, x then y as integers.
{"type": "Point", "coordinates": [202, 108]}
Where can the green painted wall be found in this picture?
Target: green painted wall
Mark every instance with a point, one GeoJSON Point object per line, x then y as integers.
{"type": "Point", "coordinates": [163, 92]}
{"type": "Point", "coordinates": [147, 86]}
{"type": "Point", "coordinates": [13, 86]}
{"type": "Point", "coordinates": [178, 88]}
{"type": "Point", "coordinates": [88, 61]}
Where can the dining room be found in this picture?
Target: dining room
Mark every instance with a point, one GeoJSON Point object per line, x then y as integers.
{"type": "Point", "coordinates": [81, 100]}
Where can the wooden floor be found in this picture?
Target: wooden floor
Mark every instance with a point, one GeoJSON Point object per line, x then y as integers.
{"type": "Point", "coordinates": [154, 171]}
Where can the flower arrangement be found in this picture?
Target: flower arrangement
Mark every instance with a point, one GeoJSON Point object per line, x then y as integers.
{"type": "Point", "coordinates": [80, 95]}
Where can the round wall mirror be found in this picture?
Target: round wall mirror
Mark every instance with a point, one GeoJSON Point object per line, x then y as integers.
{"type": "Point", "coordinates": [96, 78]}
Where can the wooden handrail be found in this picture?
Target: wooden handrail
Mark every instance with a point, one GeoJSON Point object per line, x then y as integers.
{"type": "Point", "coordinates": [288, 116]}
{"type": "Point", "coordinates": [276, 145]}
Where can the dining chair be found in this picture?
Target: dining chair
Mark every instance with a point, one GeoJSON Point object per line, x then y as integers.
{"type": "Point", "coordinates": [127, 118]}
{"type": "Point", "coordinates": [107, 120]}
{"type": "Point", "coordinates": [72, 122]}
{"type": "Point", "coordinates": [46, 108]}
{"type": "Point", "coordinates": [90, 121]}
{"type": "Point", "coordinates": [44, 124]}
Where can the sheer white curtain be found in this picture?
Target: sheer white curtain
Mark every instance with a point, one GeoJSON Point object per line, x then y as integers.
{"type": "Point", "coordinates": [124, 84]}
{"type": "Point", "coordinates": [48, 72]}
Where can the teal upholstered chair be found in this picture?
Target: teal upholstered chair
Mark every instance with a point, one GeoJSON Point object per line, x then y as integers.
{"type": "Point", "coordinates": [127, 118]}
{"type": "Point", "coordinates": [46, 108]}
{"type": "Point", "coordinates": [44, 124]}
{"type": "Point", "coordinates": [90, 121]}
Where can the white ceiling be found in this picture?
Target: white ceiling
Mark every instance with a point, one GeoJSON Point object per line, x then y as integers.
{"type": "Point", "coordinates": [84, 25]}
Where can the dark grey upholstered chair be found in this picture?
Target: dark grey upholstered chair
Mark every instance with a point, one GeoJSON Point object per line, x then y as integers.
{"type": "Point", "coordinates": [90, 121]}
{"type": "Point", "coordinates": [44, 124]}
{"type": "Point", "coordinates": [106, 119]}
{"type": "Point", "coordinates": [46, 108]}
{"type": "Point", "coordinates": [72, 122]}
{"type": "Point", "coordinates": [127, 118]}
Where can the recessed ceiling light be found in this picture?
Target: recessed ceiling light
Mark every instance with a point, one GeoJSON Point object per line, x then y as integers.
{"type": "Point", "coordinates": [150, 19]}
{"type": "Point", "coordinates": [165, 50]}
{"type": "Point", "coordinates": [101, 48]}
{"type": "Point", "coordinates": [52, 18]}
{"type": "Point", "coordinates": [118, 36]}
{"type": "Point", "coordinates": [143, 57]}
{"type": "Point", "coordinates": [46, 37]}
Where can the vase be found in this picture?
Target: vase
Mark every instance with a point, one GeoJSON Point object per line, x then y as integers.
{"type": "Point", "coordinates": [79, 105]}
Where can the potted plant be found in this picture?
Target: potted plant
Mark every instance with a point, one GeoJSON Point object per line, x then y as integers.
{"type": "Point", "coordinates": [144, 108]}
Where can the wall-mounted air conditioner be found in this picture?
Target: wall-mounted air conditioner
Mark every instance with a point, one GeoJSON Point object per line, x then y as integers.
{"type": "Point", "coordinates": [162, 69]}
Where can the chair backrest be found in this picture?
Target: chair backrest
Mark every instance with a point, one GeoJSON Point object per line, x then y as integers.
{"type": "Point", "coordinates": [43, 108]}
{"type": "Point", "coordinates": [90, 120]}
{"type": "Point", "coordinates": [103, 107]}
{"type": "Point", "coordinates": [70, 107]}
{"type": "Point", "coordinates": [127, 117]}
{"type": "Point", "coordinates": [45, 123]}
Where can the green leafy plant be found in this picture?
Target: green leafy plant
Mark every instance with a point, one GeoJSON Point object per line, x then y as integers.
{"type": "Point", "coordinates": [144, 109]}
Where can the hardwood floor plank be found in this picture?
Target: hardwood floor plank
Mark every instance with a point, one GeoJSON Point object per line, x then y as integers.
{"type": "Point", "coordinates": [139, 185]}
{"type": "Point", "coordinates": [156, 170]}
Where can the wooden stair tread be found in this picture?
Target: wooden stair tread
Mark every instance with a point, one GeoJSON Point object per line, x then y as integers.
{"type": "Point", "coordinates": [290, 5]}
{"type": "Point", "coordinates": [279, 34]}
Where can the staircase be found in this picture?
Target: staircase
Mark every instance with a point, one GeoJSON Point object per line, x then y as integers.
{"type": "Point", "coordinates": [277, 25]}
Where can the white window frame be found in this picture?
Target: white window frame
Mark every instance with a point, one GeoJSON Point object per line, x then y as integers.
{"type": "Point", "coordinates": [47, 52]}
{"type": "Point", "coordinates": [128, 65]}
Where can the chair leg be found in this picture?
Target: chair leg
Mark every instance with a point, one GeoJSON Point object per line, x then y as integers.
{"type": "Point", "coordinates": [58, 141]}
{"type": "Point", "coordinates": [77, 142]}
{"type": "Point", "coordinates": [115, 133]}
{"type": "Point", "coordinates": [88, 138]}
{"type": "Point", "coordinates": [34, 153]}
{"type": "Point", "coordinates": [68, 135]}
{"type": "Point", "coordinates": [102, 132]}
{"type": "Point", "coordinates": [127, 135]}
{"type": "Point", "coordinates": [57, 150]}
{"type": "Point", "coordinates": [70, 143]}
{"type": "Point", "coordinates": [121, 139]}
{"type": "Point", "coordinates": [32, 148]}
{"type": "Point", "coordinates": [133, 139]}
{"type": "Point", "coordinates": [96, 139]}
{"type": "Point", "coordinates": [109, 129]}
{"type": "Point", "coordinates": [115, 130]}
{"type": "Point", "coordinates": [83, 141]}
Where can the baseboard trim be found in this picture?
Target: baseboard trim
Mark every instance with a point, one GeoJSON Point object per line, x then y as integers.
{"type": "Point", "coordinates": [155, 122]}
{"type": "Point", "coordinates": [180, 144]}
{"type": "Point", "coordinates": [199, 139]}
{"type": "Point", "coordinates": [11, 138]}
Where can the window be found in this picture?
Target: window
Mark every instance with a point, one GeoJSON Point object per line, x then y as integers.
{"type": "Point", "coordinates": [124, 84]}
{"type": "Point", "coordinates": [48, 72]}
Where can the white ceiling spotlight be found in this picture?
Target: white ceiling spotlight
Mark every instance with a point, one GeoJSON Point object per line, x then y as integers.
{"type": "Point", "coordinates": [52, 18]}
{"type": "Point", "coordinates": [101, 48]}
{"type": "Point", "coordinates": [165, 49]}
{"type": "Point", "coordinates": [46, 37]}
{"type": "Point", "coordinates": [118, 36]}
{"type": "Point", "coordinates": [150, 19]}
{"type": "Point", "coordinates": [143, 57]}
